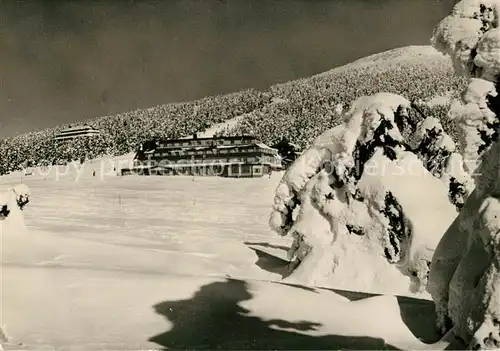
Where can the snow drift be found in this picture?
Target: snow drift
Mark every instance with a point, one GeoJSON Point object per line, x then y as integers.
{"type": "Point", "coordinates": [464, 278]}
{"type": "Point", "coordinates": [90, 268]}
{"type": "Point", "coordinates": [362, 196]}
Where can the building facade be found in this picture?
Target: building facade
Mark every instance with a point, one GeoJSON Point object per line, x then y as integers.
{"type": "Point", "coordinates": [74, 132]}
{"type": "Point", "coordinates": [242, 156]}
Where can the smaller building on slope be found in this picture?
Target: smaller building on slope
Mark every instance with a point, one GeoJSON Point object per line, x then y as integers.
{"type": "Point", "coordinates": [238, 156]}
{"type": "Point", "coordinates": [75, 132]}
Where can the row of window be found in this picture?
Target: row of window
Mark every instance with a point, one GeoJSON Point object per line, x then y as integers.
{"type": "Point", "coordinates": [211, 152]}
{"type": "Point", "coordinates": [215, 161]}
{"type": "Point", "coordinates": [203, 170]}
{"type": "Point", "coordinates": [202, 142]}
{"type": "Point", "coordinates": [75, 134]}
{"type": "Point", "coordinates": [265, 159]}
{"type": "Point", "coordinates": [203, 152]}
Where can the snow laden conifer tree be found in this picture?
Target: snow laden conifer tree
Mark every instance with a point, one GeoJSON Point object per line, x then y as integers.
{"type": "Point", "coordinates": [464, 278]}
{"type": "Point", "coordinates": [363, 201]}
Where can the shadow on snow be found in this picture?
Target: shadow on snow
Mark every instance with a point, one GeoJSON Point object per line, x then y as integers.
{"type": "Point", "coordinates": [212, 319]}
{"type": "Point", "coordinates": [418, 315]}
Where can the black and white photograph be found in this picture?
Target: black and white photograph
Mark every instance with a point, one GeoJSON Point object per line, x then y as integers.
{"type": "Point", "coordinates": [249, 175]}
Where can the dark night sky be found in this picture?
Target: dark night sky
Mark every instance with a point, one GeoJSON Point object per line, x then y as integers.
{"type": "Point", "coordinates": [63, 61]}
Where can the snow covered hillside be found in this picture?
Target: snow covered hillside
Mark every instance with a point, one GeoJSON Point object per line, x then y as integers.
{"type": "Point", "coordinates": [309, 105]}
{"type": "Point", "coordinates": [299, 110]}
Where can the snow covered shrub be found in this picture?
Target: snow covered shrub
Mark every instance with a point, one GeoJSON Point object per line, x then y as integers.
{"type": "Point", "coordinates": [432, 145]}
{"type": "Point", "coordinates": [437, 151]}
{"type": "Point", "coordinates": [440, 110]}
{"type": "Point", "coordinates": [22, 194]}
{"type": "Point", "coordinates": [12, 203]}
{"type": "Point", "coordinates": [4, 210]}
{"type": "Point", "coordinates": [357, 186]}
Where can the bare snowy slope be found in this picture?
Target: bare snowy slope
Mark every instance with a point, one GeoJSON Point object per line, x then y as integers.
{"type": "Point", "coordinates": [117, 271]}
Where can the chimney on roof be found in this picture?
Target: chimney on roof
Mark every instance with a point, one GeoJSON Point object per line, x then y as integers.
{"type": "Point", "coordinates": [195, 136]}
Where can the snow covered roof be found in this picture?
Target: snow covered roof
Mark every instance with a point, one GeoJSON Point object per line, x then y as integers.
{"type": "Point", "coordinates": [78, 128]}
